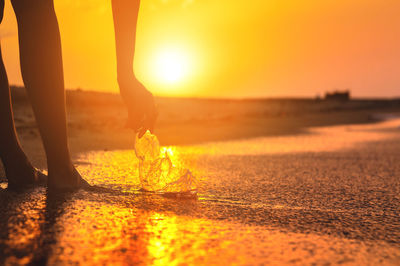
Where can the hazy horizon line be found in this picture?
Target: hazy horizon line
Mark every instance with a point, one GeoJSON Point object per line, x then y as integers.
{"type": "Point", "coordinates": [244, 98]}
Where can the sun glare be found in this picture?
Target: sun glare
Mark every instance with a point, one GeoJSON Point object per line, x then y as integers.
{"type": "Point", "coordinates": [171, 69]}
{"type": "Point", "coordinates": [171, 66]}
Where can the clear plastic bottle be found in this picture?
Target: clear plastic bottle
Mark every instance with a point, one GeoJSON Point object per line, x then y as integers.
{"type": "Point", "coordinates": [156, 170]}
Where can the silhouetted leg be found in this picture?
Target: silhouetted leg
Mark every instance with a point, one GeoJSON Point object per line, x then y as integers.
{"type": "Point", "coordinates": [42, 72]}
{"type": "Point", "coordinates": [19, 170]}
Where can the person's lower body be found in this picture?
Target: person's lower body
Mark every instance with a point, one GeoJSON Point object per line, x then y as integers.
{"type": "Point", "coordinates": [42, 72]}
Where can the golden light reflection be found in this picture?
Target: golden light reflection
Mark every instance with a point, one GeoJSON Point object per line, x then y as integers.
{"type": "Point", "coordinates": [98, 229]}
{"type": "Point", "coordinates": [321, 139]}
{"type": "Point", "coordinates": [117, 235]}
{"type": "Point", "coordinates": [169, 151]}
{"type": "Point", "coordinates": [120, 236]}
{"type": "Point", "coordinates": [120, 169]}
{"type": "Point", "coordinates": [24, 228]}
{"type": "Point", "coordinates": [159, 246]}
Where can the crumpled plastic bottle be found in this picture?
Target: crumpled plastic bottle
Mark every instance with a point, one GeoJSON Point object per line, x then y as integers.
{"type": "Point", "coordinates": [157, 171]}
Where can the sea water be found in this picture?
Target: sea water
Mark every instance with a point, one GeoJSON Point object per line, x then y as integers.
{"type": "Point", "coordinates": [159, 170]}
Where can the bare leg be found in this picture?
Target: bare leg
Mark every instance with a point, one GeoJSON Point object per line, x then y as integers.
{"type": "Point", "coordinates": [42, 72]}
{"type": "Point", "coordinates": [19, 171]}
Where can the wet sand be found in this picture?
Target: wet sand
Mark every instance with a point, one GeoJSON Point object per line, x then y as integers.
{"type": "Point", "coordinates": [324, 196]}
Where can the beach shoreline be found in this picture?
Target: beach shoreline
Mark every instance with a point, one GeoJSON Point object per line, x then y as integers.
{"type": "Point", "coordinates": [96, 121]}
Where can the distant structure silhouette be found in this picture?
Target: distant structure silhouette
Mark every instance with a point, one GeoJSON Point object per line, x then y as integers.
{"type": "Point", "coordinates": [341, 96]}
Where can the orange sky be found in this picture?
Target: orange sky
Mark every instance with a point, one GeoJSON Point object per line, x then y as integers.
{"type": "Point", "coordinates": [233, 48]}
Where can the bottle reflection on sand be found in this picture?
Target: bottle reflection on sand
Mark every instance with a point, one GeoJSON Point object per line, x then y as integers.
{"type": "Point", "coordinates": [158, 169]}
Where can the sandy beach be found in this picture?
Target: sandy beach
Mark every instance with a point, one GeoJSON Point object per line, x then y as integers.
{"type": "Point", "coordinates": [293, 182]}
{"type": "Point", "coordinates": [96, 121]}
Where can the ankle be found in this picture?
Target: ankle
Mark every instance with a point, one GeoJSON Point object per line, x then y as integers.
{"type": "Point", "coordinates": [66, 179]}
{"type": "Point", "coordinates": [61, 169]}
{"type": "Point", "coordinates": [60, 163]}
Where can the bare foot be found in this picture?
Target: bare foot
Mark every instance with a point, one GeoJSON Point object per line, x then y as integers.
{"type": "Point", "coordinates": [21, 175]}
{"type": "Point", "coordinates": [67, 180]}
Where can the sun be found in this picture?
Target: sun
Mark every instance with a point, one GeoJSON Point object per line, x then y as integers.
{"type": "Point", "coordinates": [170, 69]}
{"type": "Point", "coordinates": [171, 66]}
